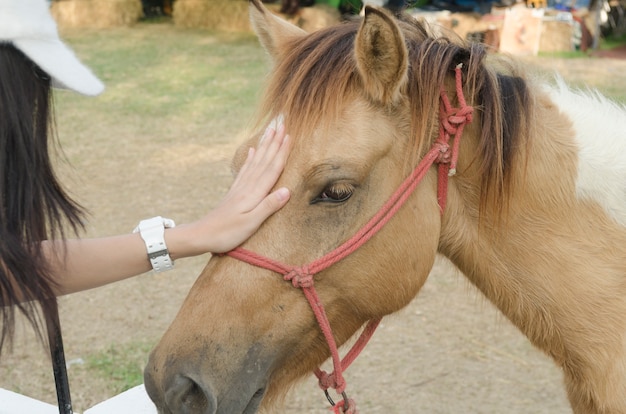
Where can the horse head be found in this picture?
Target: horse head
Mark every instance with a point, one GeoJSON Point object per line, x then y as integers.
{"type": "Point", "coordinates": [243, 334]}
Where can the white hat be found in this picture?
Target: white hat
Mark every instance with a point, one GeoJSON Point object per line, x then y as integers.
{"type": "Point", "coordinates": [29, 26]}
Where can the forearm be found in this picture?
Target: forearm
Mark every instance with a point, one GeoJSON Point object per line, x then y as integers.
{"type": "Point", "coordinates": [80, 264]}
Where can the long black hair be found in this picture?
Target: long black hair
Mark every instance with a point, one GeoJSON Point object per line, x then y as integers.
{"type": "Point", "coordinates": [33, 205]}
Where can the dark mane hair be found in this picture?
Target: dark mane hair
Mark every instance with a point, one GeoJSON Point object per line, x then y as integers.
{"type": "Point", "coordinates": [317, 74]}
{"type": "Point", "coordinates": [33, 205]}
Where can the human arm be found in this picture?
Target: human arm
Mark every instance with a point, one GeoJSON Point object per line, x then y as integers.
{"type": "Point", "coordinates": [80, 264]}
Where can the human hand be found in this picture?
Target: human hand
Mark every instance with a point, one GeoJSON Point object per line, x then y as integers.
{"type": "Point", "coordinates": [249, 202]}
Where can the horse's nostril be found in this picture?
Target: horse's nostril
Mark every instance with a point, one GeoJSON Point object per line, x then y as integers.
{"type": "Point", "coordinates": [186, 396]}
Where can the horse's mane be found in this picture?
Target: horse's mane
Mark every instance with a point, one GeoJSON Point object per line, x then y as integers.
{"type": "Point", "coordinates": [316, 73]}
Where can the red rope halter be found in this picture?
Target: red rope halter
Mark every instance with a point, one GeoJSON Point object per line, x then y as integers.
{"type": "Point", "coordinates": [452, 122]}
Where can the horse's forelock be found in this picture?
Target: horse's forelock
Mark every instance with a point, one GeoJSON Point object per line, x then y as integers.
{"type": "Point", "coordinates": [315, 70]}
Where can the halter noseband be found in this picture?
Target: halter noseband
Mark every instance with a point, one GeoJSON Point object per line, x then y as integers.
{"type": "Point", "coordinates": [451, 124]}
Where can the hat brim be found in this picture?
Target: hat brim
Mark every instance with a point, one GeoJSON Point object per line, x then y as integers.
{"type": "Point", "coordinates": [58, 61]}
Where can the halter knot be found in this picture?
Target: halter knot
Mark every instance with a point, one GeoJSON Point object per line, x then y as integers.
{"type": "Point", "coordinates": [453, 118]}
{"type": "Point", "coordinates": [466, 113]}
{"type": "Point", "coordinates": [444, 155]}
{"type": "Point", "coordinates": [327, 381]}
{"type": "Point", "coordinates": [300, 277]}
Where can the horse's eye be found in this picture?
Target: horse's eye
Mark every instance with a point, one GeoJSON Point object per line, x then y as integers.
{"type": "Point", "coordinates": [334, 193]}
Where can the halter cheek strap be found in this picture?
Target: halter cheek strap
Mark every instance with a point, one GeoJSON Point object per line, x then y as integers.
{"type": "Point", "coordinates": [451, 124]}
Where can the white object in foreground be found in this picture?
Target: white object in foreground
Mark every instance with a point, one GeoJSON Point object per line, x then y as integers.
{"type": "Point", "coordinates": [14, 403]}
{"type": "Point", "coordinates": [133, 401]}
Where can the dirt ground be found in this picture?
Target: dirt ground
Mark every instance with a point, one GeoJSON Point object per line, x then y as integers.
{"type": "Point", "coordinates": [449, 351]}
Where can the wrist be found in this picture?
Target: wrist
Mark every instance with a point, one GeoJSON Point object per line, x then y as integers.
{"type": "Point", "coordinates": [186, 240]}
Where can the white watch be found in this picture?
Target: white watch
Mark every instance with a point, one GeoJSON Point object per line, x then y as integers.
{"type": "Point", "coordinates": [152, 232]}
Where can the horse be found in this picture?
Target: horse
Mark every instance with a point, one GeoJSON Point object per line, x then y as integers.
{"type": "Point", "coordinates": [516, 178]}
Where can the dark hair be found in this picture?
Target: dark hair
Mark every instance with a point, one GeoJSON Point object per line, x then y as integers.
{"type": "Point", "coordinates": [33, 205]}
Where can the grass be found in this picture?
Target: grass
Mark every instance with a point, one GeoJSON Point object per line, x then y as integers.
{"type": "Point", "coordinates": [611, 42]}
{"type": "Point", "coordinates": [121, 365]}
{"type": "Point", "coordinates": [158, 71]}
{"type": "Point", "coordinates": [568, 54]}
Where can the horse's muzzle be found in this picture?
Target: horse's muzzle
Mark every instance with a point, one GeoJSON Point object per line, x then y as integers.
{"type": "Point", "coordinates": [179, 387]}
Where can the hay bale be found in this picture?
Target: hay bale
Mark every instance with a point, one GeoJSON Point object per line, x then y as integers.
{"type": "Point", "coordinates": [557, 36]}
{"type": "Point", "coordinates": [224, 15]}
{"type": "Point", "coordinates": [233, 15]}
{"type": "Point", "coordinates": [96, 13]}
{"type": "Point", "coordinates": [314, 18]}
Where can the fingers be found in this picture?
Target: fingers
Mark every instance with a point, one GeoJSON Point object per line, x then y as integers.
{"type": "Point", "coordinates": [263, 165]}
{"type": "Point", "coordinates": [270, 145]}
{"type": "Point", "coordinates": [249, 202]}
{"type": "Point", "coordinates": [266, 150]}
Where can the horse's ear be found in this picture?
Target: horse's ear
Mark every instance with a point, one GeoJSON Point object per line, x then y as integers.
{"type": "Point", "coordinates": [273, 32]}
{"type": "Point", "coordinates": [381, 56]}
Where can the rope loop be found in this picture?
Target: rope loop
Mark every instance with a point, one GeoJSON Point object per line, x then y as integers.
{"type": "Point", "coordinates": [300, 277]}
{"type": "Point", "coordinates": [449, 122]}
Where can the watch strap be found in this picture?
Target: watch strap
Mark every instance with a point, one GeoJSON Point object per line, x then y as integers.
{"type": "Point", "coordinates": [152, 232]}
